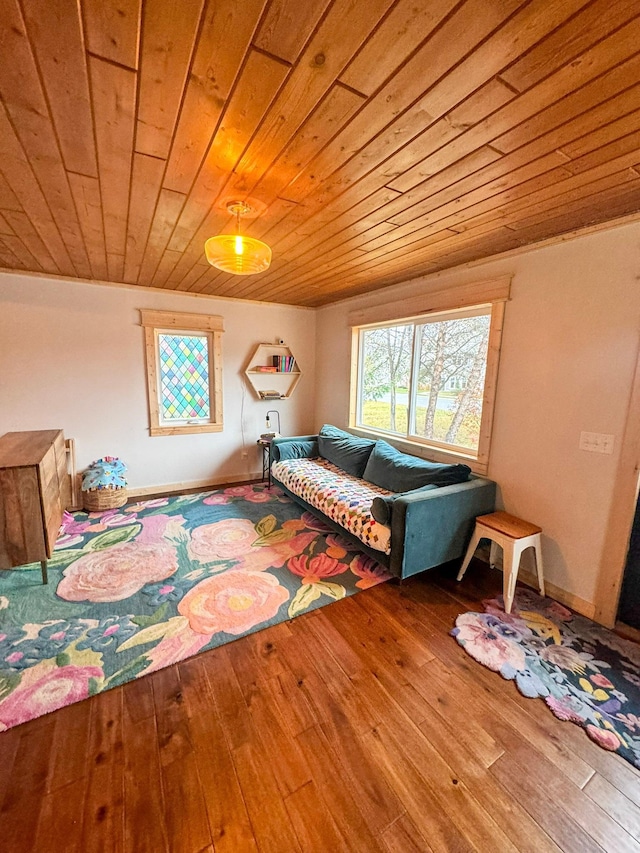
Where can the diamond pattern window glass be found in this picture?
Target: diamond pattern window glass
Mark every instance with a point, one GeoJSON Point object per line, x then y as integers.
{"type": "Point", "coordinates": [184, 377]}
{"type": "Point", "coordinates": [184, 371]}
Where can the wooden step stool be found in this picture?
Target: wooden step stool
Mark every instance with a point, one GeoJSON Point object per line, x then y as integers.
{"type": "Point", "coordinates": [514, 536]}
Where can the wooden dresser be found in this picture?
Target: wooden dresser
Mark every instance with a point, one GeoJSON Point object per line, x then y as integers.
{"type": "Point", "coordinates": [34, 492]}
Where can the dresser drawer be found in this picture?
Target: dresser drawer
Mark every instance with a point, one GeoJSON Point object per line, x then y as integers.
{"type": "Point", "coordinates": [22, 535]}
{"type": "Point", "coordinates": [34, 489]}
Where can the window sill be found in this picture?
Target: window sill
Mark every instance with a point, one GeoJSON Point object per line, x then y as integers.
{"type": "Point", "coordinates": [424, 450]}
{"type": "Point", "coordinates": [186, 429]}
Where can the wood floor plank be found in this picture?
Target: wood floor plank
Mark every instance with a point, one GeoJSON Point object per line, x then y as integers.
{"type": "Point", "coordinates": [542, 807]}
{"type": "Point", "coordinates": [290, 770]}
{"type": "Point", "coordinates": [362, 726]}
{"type": "Point", "coordinates": [57, 830]}
{"type": "Point", "coordinates": [403, 837]}
{"type": "Point", "coordinates": [614, 803]}
{"type": "Point", "coordinates": [269, 817]}
{"type": "Point", "coordinates": [185, 811]}
{"type": "Point", "coordinates": [335, 791]}
{"type": "Point", "coordinates": [103, 818]}
{"type": "Point", "coordinates": [588, 815]}
{"type": "Point", "coordinates": [143, 801]}
{"type": "Point", "coordinates": [293, 706]}
{"type": "Point", "coordinates": [9, 744]}
{"type": "Point", "coordinates": [228, 698]}
{"type": "Point", "coordinates": [173, 732]}
{"type": "Point", "coordinates": [68, 751]}
{"type": "Point", "coordinates": [419, 798]}
{"type": "Point", "coordinates": [315, 828]}
{"type": "Point", "coordinates": [228, 819]}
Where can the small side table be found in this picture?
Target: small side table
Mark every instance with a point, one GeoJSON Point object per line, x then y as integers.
{"type": "Point", "coordinates": [265, 444]}
{"type": "Point", "coordinates": [514, 536]}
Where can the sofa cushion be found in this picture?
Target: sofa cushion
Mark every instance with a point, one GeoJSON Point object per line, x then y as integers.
{"type": "Point", "coordinates": [382, 505]}
{"type": "Point", "coordinates": [344, 450]}
{"type": "Point", "coordinates": [400, 472]}
{"type": "Point", "coordinates": [297, 449]}
{"type": "Point", "coordinates": [341, 497]}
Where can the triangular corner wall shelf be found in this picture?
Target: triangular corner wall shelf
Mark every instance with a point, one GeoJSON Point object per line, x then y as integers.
{"type": "Point", "coordinates": [270, 384]}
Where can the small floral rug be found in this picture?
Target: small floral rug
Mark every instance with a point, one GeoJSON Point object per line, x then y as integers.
{"type": "Point", "coordinates": [585, 673]}
{"type": "Point", "coordinates": [137, 589]}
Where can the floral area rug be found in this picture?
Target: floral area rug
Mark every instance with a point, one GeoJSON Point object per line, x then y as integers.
{"type": "Point", "coordinates": [585, 673]}
{"type": "Point", "coordinates": [140, 588]}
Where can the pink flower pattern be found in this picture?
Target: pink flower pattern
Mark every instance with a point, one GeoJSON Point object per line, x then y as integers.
{"type": "Point", "coordinates": [117, 573]}
{"type": "Point", "coordinates": [559, 656]}
{"type": "Point", "coordinates": [369, 572]}
{"type": "Point", "coordinates": [234, 602]}
{"type": "Point", "coordinates": [151, 582]}
{"type": "Point", "coordinates": [44, 689]}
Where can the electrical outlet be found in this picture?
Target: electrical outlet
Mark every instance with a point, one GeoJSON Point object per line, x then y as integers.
{"type": "Point", "coordinates": [244, 454]}
{"type": "Point", "coordinates": [596, 442]}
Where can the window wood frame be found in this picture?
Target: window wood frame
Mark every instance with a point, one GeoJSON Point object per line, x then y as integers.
{"type": "Point", "coordinates": [491, 295]}
{"type": "Point", "coordinates": [171, 322]}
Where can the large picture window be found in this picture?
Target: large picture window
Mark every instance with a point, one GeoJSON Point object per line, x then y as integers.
{"type": "Point", "coordinates": [430, 379]}
{"type": "Point", "coordinates": [184, 372]}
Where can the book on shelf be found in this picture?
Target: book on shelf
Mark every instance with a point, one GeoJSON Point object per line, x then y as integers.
{"type": "Point", "coordinates": [270, 395]}
{"type": "Point", "coordinates": [284, 363]}
{"type": "Point", "coordinates": [264, 368]}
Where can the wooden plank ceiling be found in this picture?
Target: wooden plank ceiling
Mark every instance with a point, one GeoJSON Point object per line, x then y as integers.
{"type": "Point", "coordinates": [377, 139]}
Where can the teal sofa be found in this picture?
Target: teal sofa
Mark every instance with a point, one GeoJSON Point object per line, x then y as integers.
{"type": "Point", "coordinates": [430, 523]}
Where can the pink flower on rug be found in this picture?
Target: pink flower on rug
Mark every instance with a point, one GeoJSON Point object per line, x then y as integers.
{"type": "Point", "coordinates": [274, 556]}
{"type": "Point", "coordinates": [44, 689]}
{"type": "Point", "coordinates": [487, 647]}
{"type": "Point", "coordinates": [562, 613]}
{"type": "Point", "coordinates": [137, 507]}
{"type": "Point", "coordinates": [369, 572]}
{"type": "Point", "coordinates": [312, 521]}
{"type": "Point", "coordinates": [222, 540]}
{"type": "Point", "coordinates": [71, 527]}
{"type": "Point", "coordinates": [118, 572]}
{"type": "Point", "coordinates": [233, 601]}
{"type": "Point", "coordinates": [604, 738]}
{"type": "Point", "coordinates": [67, 541]}
{"type": "Point", "coordinates": [314, 569]}
{"type": "Point", "coordinates": [601, 681]}
{"type": "Point", "coordinates": [259, 497]}
{"type": "Point", "coordinates": [563, 709]}
{"type": "Point", "coordinates": [564, 657]}
{"type": "Point", "coordinates": [631, 721]}
{"type": "Point", "coordinates": [173, 648]}
{"type": "Point", "coordinates": [155, 527]}
{"type": "Point", "coordinates": [238, 491]}
{"type": "Point", "coordinates": [115, 519]}
{"type": "Point", "coordinates": [215, 499]}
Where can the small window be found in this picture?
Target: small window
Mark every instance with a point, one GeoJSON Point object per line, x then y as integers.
{"type": "Point", "coordinates": [184, 372]}
{"type": "Point", "coordinates": [429, 380]}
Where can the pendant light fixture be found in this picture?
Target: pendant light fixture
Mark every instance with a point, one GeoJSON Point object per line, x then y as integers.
{"type": "Point", "coordinates": [237, 254]}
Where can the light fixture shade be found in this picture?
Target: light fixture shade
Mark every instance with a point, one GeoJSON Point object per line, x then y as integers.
{"type": "Point", "coordinates": [237, 254]}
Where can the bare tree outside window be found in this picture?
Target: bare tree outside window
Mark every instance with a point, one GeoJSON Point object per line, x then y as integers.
{"type": "Point", "coordinates": [438, 399]}
{"type": "Point", "coordinates": [385, 379]}
{"type": "Point", "coordinates": [453, 357]}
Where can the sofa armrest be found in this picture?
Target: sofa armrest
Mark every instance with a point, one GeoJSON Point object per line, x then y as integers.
{"type": "Point", "coordinates": [431, 527]}
{"type": "Point", "coordinates": [294, 447]}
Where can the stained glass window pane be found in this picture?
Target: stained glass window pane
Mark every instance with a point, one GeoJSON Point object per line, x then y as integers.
{"type": "Point", "coordinates": [184, 377]}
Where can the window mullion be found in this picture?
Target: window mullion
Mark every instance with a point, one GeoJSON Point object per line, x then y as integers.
{"type": "Point", "coordinates": [413, 382]}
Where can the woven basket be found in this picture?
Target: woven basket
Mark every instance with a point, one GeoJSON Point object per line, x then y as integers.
{"type": "Point", "coordinates": [96, 500]}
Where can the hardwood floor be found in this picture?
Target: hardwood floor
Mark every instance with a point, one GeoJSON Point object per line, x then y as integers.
{"type": "Point", "coordinates": [359, 727]}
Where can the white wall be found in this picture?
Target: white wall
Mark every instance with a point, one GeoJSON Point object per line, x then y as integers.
{"type": "Point", "coordinates": [569, 349]}
{"type": "Point", "coordinates": [72, 357]}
